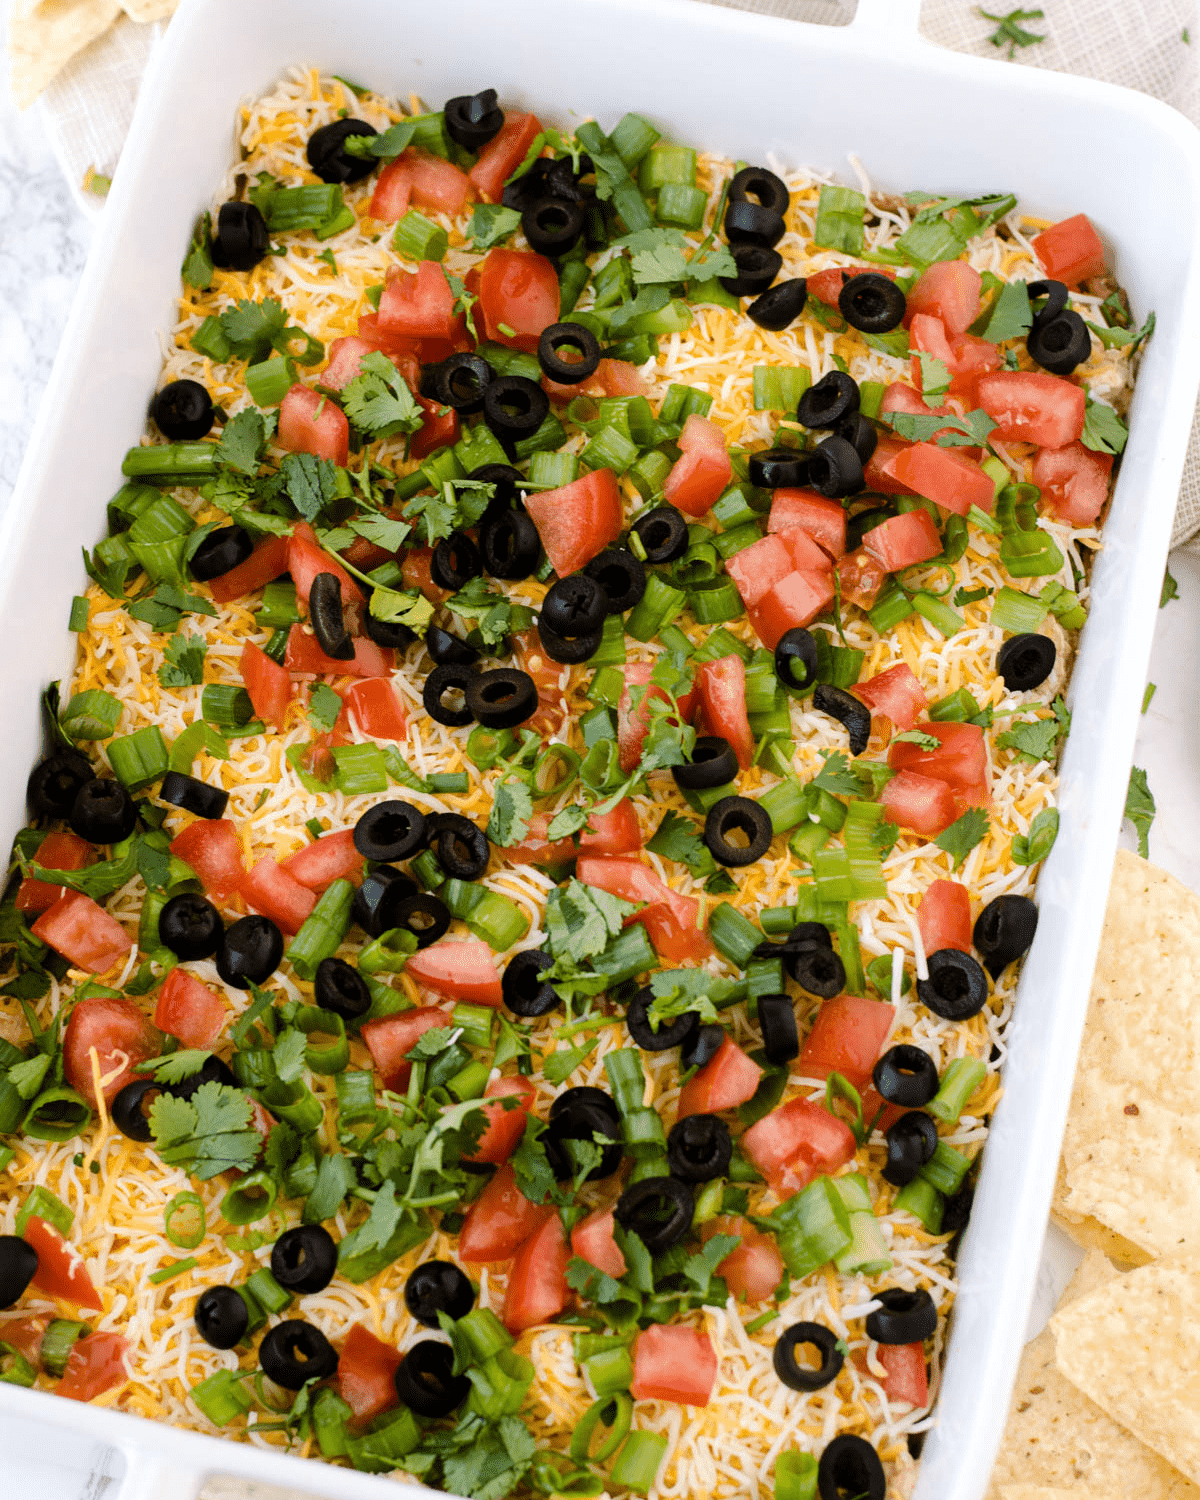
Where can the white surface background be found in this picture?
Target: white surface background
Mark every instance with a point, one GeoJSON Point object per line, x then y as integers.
{"type": "Point", "coordinates": [44, 240]}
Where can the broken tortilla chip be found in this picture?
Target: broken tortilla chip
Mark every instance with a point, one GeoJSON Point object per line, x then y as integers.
{"type": "Point", "coordinates": [43, 39]}
{"type": "Point", "coordinates": [149, 10]}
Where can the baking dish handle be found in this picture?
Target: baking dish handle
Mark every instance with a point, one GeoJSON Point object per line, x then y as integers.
{"type": "Point", "coordinates": [154, 1476]}
{"type": "Point", "coordinates": [893, 16]}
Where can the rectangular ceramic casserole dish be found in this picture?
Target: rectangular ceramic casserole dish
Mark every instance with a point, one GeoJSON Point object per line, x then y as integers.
{"type": "Point", "coordinates": [742, 85]}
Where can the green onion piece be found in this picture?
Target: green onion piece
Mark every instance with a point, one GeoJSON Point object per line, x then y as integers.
{"type": "Point", "coordinates": [642, 1133]}
{"type": "Point", "coordinates": [324, 929]}
{"type": "Point", "coordinates": [500, 1385]}
{"type": "Point", "coordinates": [733, 935]}
{"type": "Point", "coordinates": [849, 951]}
{"type": "Point", "coordinates": [449, 781]}
{"type": "Point", "coordinates": [808, 840]}
{"type": "Point", "coordinates": [870, 398]}
{"type": "Point", "coordinates": [7, 1156]}
{"type": "Point", "coordinates": [228, 708]}
{"type": "Point", "coordinates": [279, 608]}
{"type": "Point", "coordinates": [42, 1204]}
{"type": "Point", "coordinates": [722, 643]}
{"type": "Point", "coordinates": [665, 163]}
{"type": "Point", "coordinates": [487, 746]}
{"type": "Point", "coordinates": [385, 1442]}
{"type": "Point", "coordinates": [730, 543]}
{"type": "Point", "coordinates": [960, 1080]}
{"type": "Point", "coordinates": [607, 687]}
{"type": "Point", "coordinates": [198, 736]}
{"type": "Point", "coordinates": [945, 1169]}
{"type": "Point", "coordinates": [682, 205]}
{"type": "Point", "coordinates": [325, 1060]}
{"type": "Point", "coordinates": [610, 1371]}
{"type": "Point", "coordinates": [550, 436]}
{"type": "Point", "coordinates": [611, 652]}
{"type": "Point", "coordinates": [764, 976]}
{"type": "Point", "coordinates": [814, 1227]}
{"type": "Point", "coordinates": [636, 1466]}
{"type": "Point", "coordinates": [921, 1199]}
{"type": "Point", "coordinates": [330, 1419]}
{"type": "Point", "coordinates": [573, 276]}
{"type": "Point", "coordinates": [649, 473]}
{"type": "Point", "coordinates": [795, 1476]}
{"type": "Point", "coordinates": [426, 871]}
{"type": "Point", "coordinates": [867, 1252]}
{"type": "Point", "coordinates": [270, 380]}
{"type": "Point", "coordinates": [210, 339]}
{"type": "Point", "coordinates": [959, 707]}
{"type": "Point", "coordinates": [360, 769]}
{"type": "Point", "coordinates": [939, 615]}
{"type": "Point", "coordinates": [777, 921]}
{"type": "Point", "coordinates": [58, 1341]}
{"type": "Point", "coordinates": [1030, 554]}
{"type": "Point", "coordinates": [91, 715]}
{"type": "Point", "coordinates": [1017, 612]}
{"type": "Point", "coordinates": [626, 956]}
{"type": "Point", "coordinates": [626, 1079]}
{"type": "Point", "coordinates": [891, 606]}
{"type": "Point", "coordinates": [485, 1334]}
{"type": "Point", "coordinates": [879, 972]}
{"type": "Point", "coordinates": [355, 1096]}
{"type": "Point", "coordinates": [632, 138]}
{"type": "Point", "coordinates": [57, 1114]}
{"type": "Point", "coordinates": [478, 446]}
{"type": "Point", "coordinates": [78, 618]}
{"type": "Point", "coordinates": [222, 1397]}
{"type": "Point", "coordinates": [779, 387]}
{"type": "Point", "coordinates": [470, 1082]}
{"type": "Point", "coordinates": [176, 1268]}
{"type": "Point", "coordinates": [613, 1410]}
{"type": "Point", "coordinates": [499, 921]}
{"type": "Point", "coordinates": [461, 897]}
{"type": "Point", "coordinates": [657, 607]}
{"type": "Point", "coordinates": [477, 1023]}
{"type": "Point", "coordinates": [140, 758]}
{"type": "Point", "coordinates": [183, 1220]}
{"type": "Point", "coordinates": [296, 1104]}
{"type": "Point", "coordinates": [267, 1292]}
{"type": "Point", "coordinates": [250, 1199]}
{"type": "Point", "coordinates": [419, 238]}
{"type": "Point", "coordinates": [15, 1369]}
{"type": "Point", "coordinates": [172, 463]}
{"type": "Point", "coordinates": [609, 448]}
{"type": "Point", "coordinates": [555, 768]}
{"type": "Point", "coordinates": [716, 603]}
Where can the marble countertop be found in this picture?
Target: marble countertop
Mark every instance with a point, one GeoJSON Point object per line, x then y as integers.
{"type": "Point", "coordinates": [42, 252]}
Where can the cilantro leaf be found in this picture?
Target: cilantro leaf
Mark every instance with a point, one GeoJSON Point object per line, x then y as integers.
{"type": "Point", "coordinates": [324, 706]}
{"type": "Point", "coordinates": [949, 431]}
{"type": "Point", "coordinates": [381, 1222]}
{"type": "Point", "coordinates": [197, 269]}
{"type": "Point", "coordinates": [680, 991]}
{"type": "Point", "coordinates": [679, 839]}
{"type": "Point", "coordinates": [559, 1066]}
{"type": "Point", "coordinates": [701, 1267]}
{"type": "Point", "coordinates": [495, 616]}
{"type": "Point", "coordinates": [590, 1282]}
{"type": "Point", "coordinates": [207, 1134]}
{"type": "Point", "coordinates": [253, 327]}
{"type": "Point", "coordinates": [431, 1043]}
{"type": "Point", "coordinates": [1121, 338]}
{"type": "Point", "coordinates": [175, 1066]}
{"type": "Point", "coordinates": [456, 507]}
{"type": "Point", "coordinates": [384, 531]}
{"type": "Point", "coordinates": [1103, 430]}
{"type": "Point", "coordinates": [1033, 740]}
{"type": "Point", "coordinates": [917, 737]}
{"type": "Point", "coordinates": [1170, 589]}
{"type": "Point", "coordinates": [969, 596]}
{"type": "Point", "coordinates": [1012, 316]}
{"type": "Point", "coordinates": [378, 400]}
{"type": "Point", "coordinates": [570, 820]}
{"type": "Point", "coordinates": [1010, 33]}
{"type": "Point", "coordinates": [963, 834]}
{"type": "Point", "coordinates": [288, 1055]}
{"type": "Point", "coordinates": [1028, 849]}
{"type": "Point", "coordinates": [531, 1167]}
{"type": "Point", "coordinates": [310, 483]}
{"type": "Point", "coordinates": [401, 607]}
{"type": "Point", "coordinates": [512, 810]}
{"type": "Point", "coordinates": [835, 777]}
{"type": "Point", "coordinates": [580, 920]}
{"type": "Point", "coordinates": [935, 378]}
{"type": "Point", "coordinates": [183, 663]}
{"type": "Point", "coordinates": [242, 441]}
{"type": "Point", "coordinates": [385, 145]}
{"type": "Point", "coordinates": [1140, 808]}
{"type": "Point", "coordinates": [491, 223]}
{"type": "Point", "coordinates": [26, 1077]}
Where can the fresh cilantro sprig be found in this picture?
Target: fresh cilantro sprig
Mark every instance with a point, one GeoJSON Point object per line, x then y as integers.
{"type": "Point", "coordinates": [207, 1134]}
{"type": "Point", "coordinates": [1010, 33]}
{"type": "Point", "coordinates": [1140, 808]}
{"type": "Point", "coordinates": [378, 401]}
{"type": "Point", "coordinates": [963, 835]}
{"type": "Point", "coordinates": [459, 504]}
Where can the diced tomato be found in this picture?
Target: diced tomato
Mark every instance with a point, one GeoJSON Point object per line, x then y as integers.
{"type": "Point", "coordinates": [965, 358]}
{"type": "Point", "coordinates": [547, 678]}
{"type": "Point", "coordinates": [269, 685]}
{"type": "Point", "coordinates": [463, 970]}
{"type": "Point", "coordinates": [671, 919]}
{"type": "Point", "coordinates": [824, 520]}
{"type": "Point", "coordinates": [960, 760]}
{"type": "Point", "coordinates": [633, 724]}
{"type": "Point", "coordinates": [329, 858]}
{"type": "Point", "coordinates": [861, 576]}
{"type": "Point", "coordinates": [61, 1270]}
{"type": "Point", "coordinates": [1030, 406]}
{"type": "Point", "coordinates": [121, 1036]}
{"type": "Point", "coordinates": [418, 177]}
{"type": "Point", "coordinates": [518, 289]}
{"type": "Point", "coordinates": [895, 693]}
{"type": "Point", "coordinates": [728, 1079]}
{"type": "Point", "coordinates": [847, 1038]}
{"type": "Point", "coordinates": [612, 377]}
{"type": "Point", "coordinates": [578, 520]}
{"type": "Point", "coordinates": [902, 541]}
{"type": "Point", "coordinates": [365, 555]}
{"type": "Point", "coordinates": [906, 1378]}
{"type": "Point", "coordinates": [944, 917]}
{"type": "Point", "coordinates": [390, 1040]}
{"type": "Point", "coordinates": [826, 286]}
{"type": "Point", "coordinates": [973, 357]}
{"type": "Point", "coordinates": [306, 558]}
{"type": "Point", "coordinates": [503, 154]}
{"type": "Point", "coordinates": [760, 566]}
{"type": "Point", "coordinates": [366, 1371]}
{"type": "Point", "coordinates": [537, 1283]}
{"type": "Point", "coordinates": [1070, 251]}
{"type": "Point", "coordinates": [416, 569]}
{"type": "Point", "coordinates": [189, 1010]}
{"type": "Point", "coordinates": [722, 688]}
{"type": "Point", "coordinates": [419, 305]}
{"type": "Point", "coordinates": [273, 893]}
{"type": "Point", "coordinates": [267, 562]}
{"type": "Point", "coordinates": [25, 1334]}
{"type": "Point", "coordinates": [404, 353]}
{"type": "Point", "coordinates": [699, 478]}
{"type": "Point", "coordinates": [312, 423]}
{"type": "Point", "coordinates": [505, 1127]}
{"type": "Point", "coordinates": [536, 849]}
{"type": "Point", "coordinates": [1073, 481]}
{"type": "Point", "coordinates": [376, 709]}
{"type": "Point", "coordinates": [57, 851]}
{"type": "Point", "coordinates": [878, 469]}
{"type": "Point", "coordinates": [807, 556]}
{"type": "Point", "coordinates": [615, 832]}
{"type": "Point", "coordinates": [945, 477]}
{"type": "Point", "coordinates": [949, 290]}
{"type": "Point", "coordinates": [928, 334]}
{"type": "Point", "coordinates": [797, 1142]}
{"type": "Point", "coordinates": [920, 803]}
{"type": "Point", "coordinates": [83, 932]}
{"type": "Point", "coordinates": [345, 360]}
{"type": "Point", "coordinates": [593, 1240]}
{"type": "Point", "coordinates": [95, 1364]}
{"type": "Point", "coordinates": [755, 1268]}
{"type": "Point", "coordinates": [795, 600]}
{"type": "Point", "coordinates": [906, 398]}
{"type": "Point", "coordinates": [673, 1363]}
{"type": "Point", "coordinates": [303, 654]}
{"type": "Point", "coordinates": [439, 428]}
{"type": "Point", "coordinates": [500, 1220]}
{"type": "Point", "coordinates": [212, 848]}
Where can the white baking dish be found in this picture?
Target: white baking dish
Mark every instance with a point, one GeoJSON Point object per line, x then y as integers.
{"type": "Point", "coordinates": [744, 85]}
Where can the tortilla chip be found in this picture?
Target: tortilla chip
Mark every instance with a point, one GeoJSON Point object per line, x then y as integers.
{"type": "Point", "coordinates": [149, 10]}
{"type": "Point", "coordinates": [1090, 1234]}
{"type": "Point", "coordinates": [1134, 1348]}
{"type": "Point", "coordinates": [1044, 1492]}
{"type": "Point", "coordinates": [1132, 1148]}
{"type": "Point", "coordinates": [44, 39]}
{"type": "Point", "coordinates": [1055, 1437]}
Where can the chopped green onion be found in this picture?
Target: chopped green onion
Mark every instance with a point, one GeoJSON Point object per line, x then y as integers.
{"type": "Point", "coordinates": [960, 1080]}
{"type": "Point", "coordinates": [183, 1220]}
{"type": "Point", "coordinates": [879, 972]}
{"type": "Point", "coordinates": [498, 920]}
{"type": "Point", "coordinates": [779, 387]}
{"type": "Point", "coordinates": [648, 474]}
{"type": "Point", "coordinates": [387, 1439]}
{"type": "Point", "coordinates": [57, 1114]}
{"type": "Point", "coordinates": [1017, 612]}
{"type": "Point", "coordinates": [959, 707]}
{"type": "Point", "coordinates": [795, 1475]}
{"type": "Point", "coordinates": [944, 619]}
{"type": "Point", "coordinates": [449, 781]}
{"type": "Point", "coordinates": [551, 435]}
{"type": "Point", "coordinates": [140, 758]}
{"type": "Point", "coordinates": [945, 1169]}
{"type": "Point", "coordinates": [228, 708]}
{"type": "Point", "coordinates": [607, 687]}
{"type": "Point", "coordinates": [223, 1397]}
{"type": "Point", "coordinates": [614, 1410]}
{"type": "Point", "coordinates": [636, 1466]}
{"type": "Point", "coordinates": [15, 1369]}
{"type": "Point", "coordinates": [330, 1419]}
{"type": "Point", "coordinates": [91, 715]}
{"type": "Point", "coordinates": [921, 1199]}
{"type": "Point", "coordinates": [250, 1199]}
{"type": "Point", "coordinates": [270, 380]}
{"type": "Point", "coordinates": [58, 1341]}
{"type": "Point", "coordinates": [323, 930]}
{"type": "Point", "coordinates": [626, 956]}
{"type": "Point", "coordinates": [715, 603]}
{"type": "Point", "coordinates": [733, 935]}
{"type": "Point", "coordinates": [279, 608]}
{"type": "Point", "coordinates": [267, 1292]}
{"type": "Point", "coordinates": [487, 746]}
{"type": "Point", "coordinates": [78, 619]}
{"type": "Point", "coordinates": [764, 976]}
{"type": "Point", "coordinates": [814, 1226]}
{"type": "Point", "coordinates": [360, 769]}
{"type": "Point", "coordinates": [682, 205]}
{"type": "Point", "coordinates": [657, 607]}
{"type": "Point", "coordinates": [631, 138]}
{"type": "Point", "coordinates": [723, 643]}
{"type": "Point", "coordinates": [334, 1056]}
{"type": "Point", "coordinates": [419, 238]}
{"type": "Point", "coordinates": [609, 448]}
{"type": "Point", "coordinates": [610, 1371]}
{"type": "Point", "coordinates": [171, 464]}
{"type": "Point", "coordinates": [553, 470]}
{"type": "Point", "coordinates": [355, 1096]}
{"type": "Point", "coordinates": [176, 1268]}
{"type": "Point", "coordinates": [891, 606]}
{"type": "Point", "coordinates": [42, 1204]}
{"type": "Point", "coordinates": [730, 543]}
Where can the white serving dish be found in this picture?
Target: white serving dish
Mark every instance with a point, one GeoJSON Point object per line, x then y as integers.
{"type": "Point", "coordinates": [744, 85]}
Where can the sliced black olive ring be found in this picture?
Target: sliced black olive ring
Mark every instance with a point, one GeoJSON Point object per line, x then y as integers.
{"type": "Point", "coordinates": [737, 818]}
{"type": "Point", "coordinates": [103, 812]}
{"type": "Point", "coordinates": [573, 336]}
{"type": "Point", "coordinates": [871, 303]}
{"type": "Point", "coordinates": [127, 1112]}
{"type": "Point", "coordinates": [818, 970]}
{"type": "Point", "coordinates": [956, 988]}
{"type": "Point", "coordinates": [835, 469]}
{"type": "Point", "coordinates": [241, 239]}
{"type": "Point", "coordinates": [861, 435]}
{"type": "Point", "coordinates": [569, 652]}
{"type": "Point", "coordinates": [304, 1259]}
{"type": "Point", "coordinates": [701, 1046]}
{"type": "Point", "coordinates": [830, 401]}
{"type": "Point", "coordinates": [220, 552]}
{"type": "Point", "coordinates": [522, 987]}
{"type": "Point", "coordinates": [798, 1377]}
{"type": "Point", "coordinates": [510, 546]}
{"type": "Point", "coordinates": [461, 847]}
{"type": "Point", "coordinates": [713, 763]}
{"type": "Point", "coordinates": [778, 468]}
{"type": "Point", "coordinates": [780, 305]}
{"type": "Point", "coordinates": [514, 407]}
{"type": "Point", "coordinates": [904, 1318]}
{"type": "Point", "coordinates": [390, 830]}
{"type": "Point", "coordinates": [425, 1380]}
{"type": "Point", "coordinates": [671, 1033]}
{"type": "Point", "coordinates": [796, 646]}
{"type": "Point", "coordinates": [473, 119]}
{"type": "Point", "coordinates": [956, 1214]}
{"type": "Point", "coordinates": [574, 606]}
{"type": "Point", "coordinates": [327, 618]}
{"type": "Point", "coordinates": [442, 681]}
{"type": "Point", "coordinates": [848, 711]}
{"type": "Point", "coordinates": [553, 226]}
{"type": "Point", "coordinates": [295, 1352]}
{"type": "Point", "coordinates": [1025, 661]}
{"type": "Point", "coordinates": [56, 781]}
{"type": "Point", "coordinates": [548, 177]}
{"type": "Point", "coordinates": [1061, 344]}
{"type": "Point", "coordinates": [758, 266]}
{"type": "Point", "coordinates": [1004, 930]}
{"type": "Point", "coordinates": [190, 926]}
{"type": "Point", "coordinates": [1057, 296]}
{"type": "Point", "coordinates": [758, 185]}
{"type": "Point", "coordinates": [339, 987]}
{"type": "Point", "coordinates": [506, 481]}
{"type": "Point", "coordinates": [221, 1316]}
{"type": "Point", "coordinates": [250, 952]}
{"type": "Point", "coordinates": [663, 534]}
{"type": "Point", "coordinates": [658, 1210]}
{"type": "Point", "coordinates": [438, 1286]}
{"type": "Point", "coordinates": [460, 382]}
{"type": "Point", "coordinates": [196, 796]}
{"type": "Point", "coordinates": [906, 1075]}
{"type": "Point", "coordinates": [751, 223]}
{"type": "Point", "coordinates": [183, 412]}
{"type": "Point", "coordinates": [379, 897]}
{"type": "Point", "coordinates": [327, 154]}
{"type": "Point", "coordinates": [424, 915]}
{"type": "Point", "coordinates": [911, 1141]}
{"type": "Point", "coordinates": [455, 561]}
{"type": "Point", "coordinates": [583, 1120]}
{"type": "Point", "coordinates": [699, 1148]}
{"type": "Point", "coordinates": [848, 1467]}
{"type": "Point", "coordinates": [449, 650]}
{"type": "Point", "coordinates": [389, 633]}
{"type": "Point", "coordinates": [213, 1070]}
{"type": "Point", "coordinates": [621, 577]}
{"type": "Point", "coordinates": [776, 1016]}
{"type": "Point", "coordinates": [502, 698]}
{"type": "Point", "coordinates": [593, 1098]}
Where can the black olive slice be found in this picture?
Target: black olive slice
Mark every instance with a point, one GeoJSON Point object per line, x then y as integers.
{"type": "Point", "coordinates": [570, 336]}
{"type": "Point", "coordinates": [751, 223]}
{"type": "Point", "coordinates": [390, 831]}
{"type": "Point", "coordinates": [553, 226]}
{"type": "Point", "coordinates": [1025, 661]}
{"type": "Point", "coordinates": [339, 987]}
{"type": "Point", "coordinates": [780, 305]}
{"type": "Point", "coordinates": [502, 698]}
{"type": "Point", "coordinates": [847, 710]}
{"type": "Point", "coordinates": [250, 952]}
{"type": "Point", "coordinates": [956, 988]}
{"type": "Point", "coordinates": [621, 577]}
{"type": "Point", "coordinates": [18, 1267]}
{"type": "Point", "coordinates": [658, 1210]}
{"type": "Point", "coordinates": [906, 1075]}
{"type": "Point", "coordinates": [758, 185]}
{"type": "Point", "coordinates": [455, 562]}
{"type": "Point", "coordinates": [327, 618]}
{"type": "Point", "coordinates": [213, 1070]}
{"type": "Point", "coordinates": [835, 469]}
{"type": "Point", "coordinates": [1061, 344]}
{"type": "Point", "coordinates": [1004, 930]}
{"type": "Point", "coordinates": [56, 781]}
{"type": "Point", "coordinates": [778, 468]}
{"type": "Point", "coordinates": [818, 970]}
{"type": "Point", "coordinates": [911, 1141]}
{"type": "Point", "coordinates": [663, 534]}
{"type": "Point", "coordinates": [872, 303]}
{"type": "Point", "coordinates": [190, 926]}
{"type": "Point", "coordinates": [473, 119]}
{"type": "Point", "coordinates": [438, 1286]}
{"type": "Point", "coordinates": [304, 1259]}
{"type": "Point", "coordinates": [510, 546]}
{"type": "Point", "coordinates": [327, 154]}
{"type": "Point", "coordinates": [389, 633]}
{"type": "Point", "coordinates": [449, 650]}
{"type": "Point", "coordinates": [861, 435]}
{"type": "Point", "coordinates": [796, 648]}
{"type": "Point", "coordinates": [295, 1352]}
{"type": "Point", "coordinates": [574, 606]}
{"type": "Point", "coordinates": [830, 401]}
{"type": "Point", "coordinates": [514, 407]}
{"type": "Point", "coordinates": [194, 795]}
{"type": "Point", "coordinates": [379, 897]}
{"type": "Point", "coordinates": [221, 1316]}
{"type": "Point", "coordinates": [904, 1318]}
{"type": "Point", "coordinates": [220, 552]}
{"type": "Point", "coordinates": [671, 1033]}
{"type": "Point", "coordinates": [583, 1119]}
{"type": "Point", "coordinates": [781, 1040]}
{"type": "Point", "coordinates": [758, 266]}
{"type": "Point", "coordinates": [713, 763]}
{"type": "Point", "coordinates": [504, 479]}
{"type": "Point", "coordinates": [569, 652]}
{"type": "Point", "coordinates": [424, 915]}
{"type": "Point", "coordinates": [798, 1377]}
{"type": "Point", "coordinates": [1057, 296]}
{"type": "Point", "coordinates": [460, 382]}
{"type": "Point", "coordinates": [701, 1046]}
{"type": "Point", "coordinates": [241, 240]}
{"type": "Point", "coordinates": [127, 1112]}
{"type": "Point", "coordinates": [737, 832]}
{"type": "Point", "coordinates": [442, 681]}
{"type": "Point", "coordinates": [103, 812]}
{"type": "Point", "coordinates": [849, 1467]}
{"type": "Point", "coordinates": [425, 1380]}
{"type": "Point", "coordinates": [461, 847]}
{"type": "Point", "coordinates": [524, 991]}
{"type": "Point", "coordinates": [183, 412]}
{"type": "Point", "coordinates": [699, 1148]}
